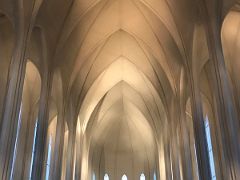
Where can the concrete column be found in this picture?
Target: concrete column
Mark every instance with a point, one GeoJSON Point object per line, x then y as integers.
{"type": "Point", "coordinates": [58, 148]}
{"type": "Point", "coordinates": [174, 150]}
{"type": "Point", "coordinates": [70, 154]}
{"type": "Point", "coordinates": [10, 116]}
{"type": "Point", "coordinates": [167, 158]}
{"type": "Point", "coordinates": [193, 153]}
{"type": "Point", "coordinates": [174, 129]}
{"type": "Point", "coordinates": [28, 146]}
{"type": "Point", "coordinates": [41, 135]}
{"type": "Point", "coordinates": [161, 171]}
{"type": "Point", "coordinates": [185, 148]}
{"type": "Point", "coordinates": [23, 155]}
{"type": "Point", "coordinates": [199, 130]}
{"type": "Point", "coordinates": [23, 20]}
{"type": "Point", "coordinates": [79, 145]}
{"type": "Point", "coordinates": [223, 95]}
{"type": "Point", "coordinates": [226, 125]}
{"type": "Point", "coordinates": [182, 140]}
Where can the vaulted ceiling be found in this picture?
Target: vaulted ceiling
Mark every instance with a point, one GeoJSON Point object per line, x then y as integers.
{"type": "Point", "coordinates": [121, 62]}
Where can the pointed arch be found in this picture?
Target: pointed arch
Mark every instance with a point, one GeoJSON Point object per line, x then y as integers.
{"type": "Point", "coordinates": [142, 177]}
{"type": "Point", "coordinates": [154, 176]}
{"type": "Point", "coordinates": [118, 71]}
{"type": "Point", "coordinates": [124, 177]}
{"type": "Point", "coordinates": [106, 177]}
{"type": "Point", "coordinates": [93, 176]}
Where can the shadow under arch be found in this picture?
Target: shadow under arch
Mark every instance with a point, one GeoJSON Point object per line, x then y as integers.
{"type": "Point", "coordinates": [7, 41]}
{"type": "Point", "coordinates": [230, 37]}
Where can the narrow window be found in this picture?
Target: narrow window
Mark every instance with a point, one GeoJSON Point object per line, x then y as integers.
{"type": "Point", "coordinates": [93, 176]}
{"type": "Point", "coordinates": [171, 165]}
{"type": "Point", "coordinates": [142, 177]}
{"type": "Point", "coordinates": [33, 149]}
{"type": "Point", "coordinates": [154, 176]}
{"type": "Point", "coordinates": [48, 158]}
{"type": "Point", "coordinates": [210, 151]}
{"type": "Point", "coordinates": [16, 140]}
{"type": "Point", "coordinates": [106, 177]}
{"type": "Point", "coordinates": [124, 177]}
{"type": "Point", "coordinates": [196, 161]}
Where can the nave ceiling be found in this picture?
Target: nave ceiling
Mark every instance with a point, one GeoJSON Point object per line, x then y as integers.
{"type": "Point", "coordinates": [119, 67]}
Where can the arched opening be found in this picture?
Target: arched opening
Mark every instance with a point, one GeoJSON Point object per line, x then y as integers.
{"type": "Point", "coordinates": [154, 176]}
{"type": "Point", "coordinates": [93, 176]}
{"type": "Point", "coordinates": [124, 177]}
{"type": "Point", "coordinates": [115, 145]}
{"type": "Point", "coordinates": [142, 176]}
{"type": "Point", "coordinates": [230, 43]}
{"type": "Point", "coordinates": [116, 84]}
{"type": "Point", "coordinates": [106, 177]}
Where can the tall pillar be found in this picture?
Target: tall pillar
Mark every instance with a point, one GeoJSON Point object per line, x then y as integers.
{"type": "Point", "coordinates": [167, 158]}
{"type": "Point", "coordinates": [193, 150]}
{"type": "Point", "coordinates": [11, 111]}
{"type": "Point", "coordinates": [199, 130]}
{"type": "Point", "coordinates": [79, 140]}
{"type": "Point", "coordinates": [226, 112]}
{"type": "Point", "coordinates": [185, 149]}
{"type": "Point", "coordinates": [58, 148]}
{"type": "Point", "coordinates": [28, 147]}
{"type": "Point", "coordinates": [161, 172]}
{"type": "Point", "coordinates": [175, 136]}
{"type": "Point", "coordinates": [10, 116]}
{"type": "Point", "coordinates": [174, 154]}
{"type": "Point", "coordinates": [70, 154]}
{"type": "Point", "coordinates": [182, 139]}
{"type": "Point", "coordinates": [42, 127]}
{"type": "Point", "coordinates": [23, 19]}
{"type": "Point", "coordinates": [223, 95]}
